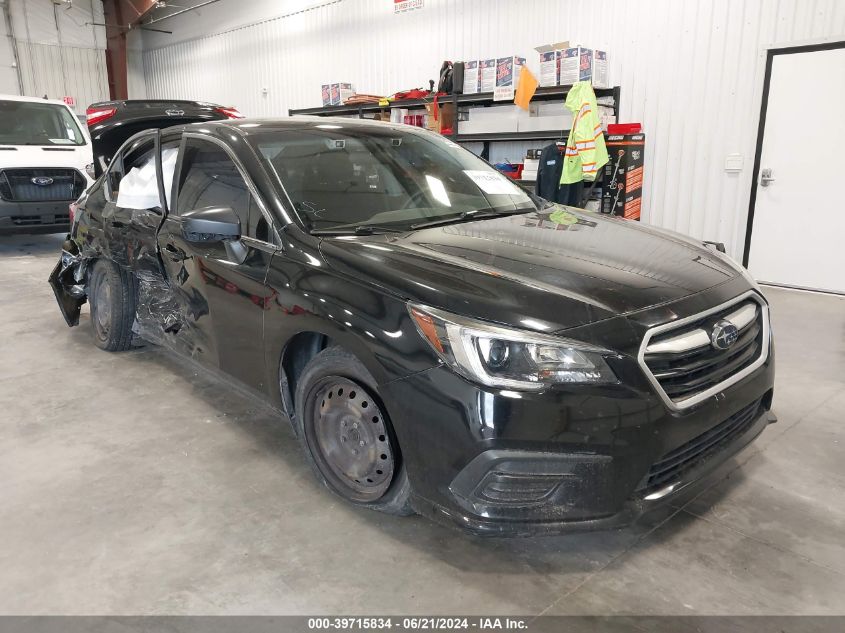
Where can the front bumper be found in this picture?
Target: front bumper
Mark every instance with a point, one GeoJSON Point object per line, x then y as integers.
{"type": "Point", "coordinates": [34, 217]}
{"type": "Point", "coordinates": [570, 458]}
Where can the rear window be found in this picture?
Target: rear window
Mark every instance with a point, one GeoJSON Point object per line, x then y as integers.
{"type": "Point", "coordinates": [28, 123]}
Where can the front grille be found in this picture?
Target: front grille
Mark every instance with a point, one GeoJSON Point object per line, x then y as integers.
{"type": "Point", "coordinates": [675, 464]}
{"type": "Point", "coordinates": [16, 185]}
{"type": "Point", "coordinates": [685, 363]}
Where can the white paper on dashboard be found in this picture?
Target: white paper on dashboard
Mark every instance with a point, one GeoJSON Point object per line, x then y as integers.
{"type": "Point", "coordinates": [492, 182]}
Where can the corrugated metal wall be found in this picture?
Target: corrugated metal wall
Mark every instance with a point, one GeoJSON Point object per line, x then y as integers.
{"type": "Point", "coordinates": [57, 71]}
{"type": "Point", "coordinates": [690, 71]}
{"type": "Point", "coordinates": [9, 83]}
{"type": "Point", "coordinates": [60, 52]}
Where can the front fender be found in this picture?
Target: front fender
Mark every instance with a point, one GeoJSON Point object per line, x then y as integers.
{"type": "Point", "coordinates": [367, 322]}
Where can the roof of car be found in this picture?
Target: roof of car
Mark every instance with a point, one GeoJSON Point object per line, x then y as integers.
{"type": "Point", "coordinates": [127, 102]}
{"type": "Point", "coordinates": [302, 122]}
{"type": "Point", "coordinates": [31, 99]}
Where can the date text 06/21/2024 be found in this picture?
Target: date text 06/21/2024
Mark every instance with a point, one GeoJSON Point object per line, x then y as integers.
{"type": "Point", "coordinates": [419, 623]}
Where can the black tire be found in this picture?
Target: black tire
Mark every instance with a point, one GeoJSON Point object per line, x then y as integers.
{"type": "Point", "coordinates": [112, 299]}
{"type": "Point", "coordinates": [334, 393]}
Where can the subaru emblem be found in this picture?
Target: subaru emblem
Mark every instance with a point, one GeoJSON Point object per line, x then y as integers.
{"type": "Point", "coordinates": [41, 181]}
{"type": "Point", "coordinates": [723, 334]}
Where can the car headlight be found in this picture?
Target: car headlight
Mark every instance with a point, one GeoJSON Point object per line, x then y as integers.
{"type": "Point", "coordinates": [507, 358]}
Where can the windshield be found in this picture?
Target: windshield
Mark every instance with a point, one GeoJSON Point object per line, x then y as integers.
{"type": "Point", "coordinates": [28, 123]}
{"type": "Point", "coordinates": [342, 177]}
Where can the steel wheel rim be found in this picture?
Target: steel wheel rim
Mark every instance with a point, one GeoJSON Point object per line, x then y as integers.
{"type": "Point", "coordinates": [101, 306]}
{"type": "Point", "coordinates": [349, 439]}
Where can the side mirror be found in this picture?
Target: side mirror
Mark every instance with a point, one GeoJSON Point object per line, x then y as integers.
{"type": "Point", "coordinates": [211, 224]}
{"type": "Point", "coordinates": [215, 224]}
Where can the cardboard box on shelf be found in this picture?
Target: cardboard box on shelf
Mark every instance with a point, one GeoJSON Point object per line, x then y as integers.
{"type": "Point", "coordinates": [623, 176]}
{"type": "Point", "coordinates": [550, 63]}
{"type": "Point", "coordinates": [338, 93]}
{"type": "Point", "coordinates": [545, 117]}
{"type": "Point", "coordinates": [507, 75]}
{"type": "Point", "coordinates": [472, 77]}
{"type": "Point", "coordinates": [545, 124]}
{"type": "Point", "coordinates": [492, 119]}
{"type": "Point", "coordinates": [445, 119]}
{"type": "Point", "coordinates": [507, 70]}
{"type": "Point", "coordinates": [601, 76]}
{"type": "Point", "coordinates": [487, 75]}
{"type": "Point", "coordinates": [530, 165]}
{"type": "Point", "coordinates": [549, 68]}
{"type": "Point", "coordinates": [576, 64]}
{"type": "Point", "coordinates": [327, 94]}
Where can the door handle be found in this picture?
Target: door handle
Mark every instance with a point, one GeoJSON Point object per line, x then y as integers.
{"type": "Point", "coordinates": [766, 177]}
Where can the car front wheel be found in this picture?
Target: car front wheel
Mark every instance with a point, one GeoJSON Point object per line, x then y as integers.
{"type": "Point", "coordinates": [346, 433]}
{"type": "Point", "coordinates": [112, 302]}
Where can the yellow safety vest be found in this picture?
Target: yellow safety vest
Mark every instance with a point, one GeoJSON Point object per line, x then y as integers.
{"type": "Point", "coordinates": [586, 152]}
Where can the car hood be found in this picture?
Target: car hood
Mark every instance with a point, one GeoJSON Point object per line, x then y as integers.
{"type": "Point", "coordinates": [45, 155]}
{"type": "Point", "coordinates": [542, 271]}
{"type": "Point", "coordinates": [40, 157]}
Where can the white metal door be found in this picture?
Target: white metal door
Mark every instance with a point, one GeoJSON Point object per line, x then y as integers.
{"type": "Point", "coordinates": [798, 232]}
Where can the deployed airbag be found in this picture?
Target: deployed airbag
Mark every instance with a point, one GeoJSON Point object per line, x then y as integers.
{"type": "Point", "coordinates": [138, 188]}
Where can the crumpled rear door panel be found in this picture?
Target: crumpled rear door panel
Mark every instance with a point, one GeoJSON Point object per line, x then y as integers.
{"type": "Point", "coordinates": [68, 283]}
{"type": "Point", "coordinates": [127, 237]}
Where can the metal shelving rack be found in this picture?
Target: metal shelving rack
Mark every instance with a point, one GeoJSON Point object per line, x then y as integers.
{"type": "Point", "coordinates": [483, 100]}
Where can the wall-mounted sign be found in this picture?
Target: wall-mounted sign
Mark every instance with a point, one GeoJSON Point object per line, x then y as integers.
{"type": "Point", "coordinates": [403, 6]}
{"type": "Point", "coordinates": [69, 101]}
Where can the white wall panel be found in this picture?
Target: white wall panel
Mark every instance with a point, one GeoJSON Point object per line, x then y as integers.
{"type": "Point", "coordinates": [690, 71]}
{"type": "Point", "coordinates": [60, 52]}
{"type": "Point", "coordinates": [9, 83]}
{"type": "Point", "coordinates": [43, 22]}
{"type": "Point", "coordinates": [137, 87]}
{"type": "Point", "coordinates": [58, 71]}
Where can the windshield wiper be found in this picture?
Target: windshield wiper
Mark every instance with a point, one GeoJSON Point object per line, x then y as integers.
{"type": "Point", "coordinates": [465, 216]}
{"type": "Point", "coordinates": [363, 229]}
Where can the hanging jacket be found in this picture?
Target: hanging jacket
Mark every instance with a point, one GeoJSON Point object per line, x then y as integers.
{"type": "Point", "coordinates": [548, 172]}
{"type": "Point", "coordinates": [548, 178]}
{"type": "Point", "coordinates": [586, 152]}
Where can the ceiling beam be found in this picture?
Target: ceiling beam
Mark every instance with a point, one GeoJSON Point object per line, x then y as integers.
{"type": "Point", "coordinates": [136, 10]}
{"type": "Point", "coordinates": [124, 14]}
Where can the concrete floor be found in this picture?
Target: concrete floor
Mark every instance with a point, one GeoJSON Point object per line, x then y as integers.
{"type": "Point", "coordinates": [130, 483]}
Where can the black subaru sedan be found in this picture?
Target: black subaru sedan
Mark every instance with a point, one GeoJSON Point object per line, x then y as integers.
{"type": "Point", "coordinates": [441, 341]}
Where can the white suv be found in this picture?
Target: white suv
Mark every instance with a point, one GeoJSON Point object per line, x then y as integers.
{"type": "Point", "coordinates": [46, 163]}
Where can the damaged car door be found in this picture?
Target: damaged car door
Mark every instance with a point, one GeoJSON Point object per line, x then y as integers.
{"type": "Point", "coordinates": [216, 244]}
{"type": "Point", "coordinates": [117, 220]}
